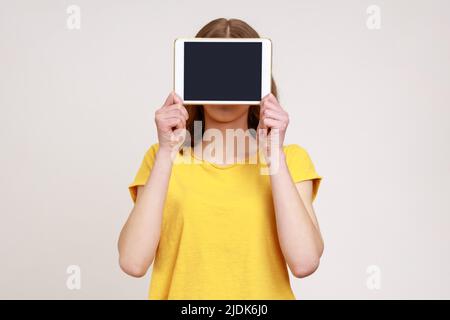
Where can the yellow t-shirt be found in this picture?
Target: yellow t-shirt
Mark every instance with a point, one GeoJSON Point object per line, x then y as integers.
{"type": "Point", "coordinates": [218, 236]}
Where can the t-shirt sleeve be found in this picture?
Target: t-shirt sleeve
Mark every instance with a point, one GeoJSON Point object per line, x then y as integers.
{"type": "Point", "coordinates": [301, 166]}
{"type": "Point", "coordinates": [144, 171]}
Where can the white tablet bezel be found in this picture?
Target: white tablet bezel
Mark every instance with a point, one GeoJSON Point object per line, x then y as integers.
{"type": "Point", "coordinates": [266, 68]}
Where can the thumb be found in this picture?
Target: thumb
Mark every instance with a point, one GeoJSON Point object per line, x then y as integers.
{"type": "Point", "coordinates": [170, 99]}
{"type": "Point", "coordinates": [177, 99]}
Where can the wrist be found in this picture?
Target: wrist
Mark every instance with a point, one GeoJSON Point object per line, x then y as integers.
{"type": "Point", "coordinates": [275, 156]}
{"type": "Point", "coordinates": [276, 162]}
{"type": "Point", "coordinates": [166, 153]}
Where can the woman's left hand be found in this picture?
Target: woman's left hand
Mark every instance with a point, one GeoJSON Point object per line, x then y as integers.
{"type": "Point", "coordinates": [273, 120]}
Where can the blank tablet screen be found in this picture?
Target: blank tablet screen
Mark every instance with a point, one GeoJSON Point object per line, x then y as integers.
{"type": "Point", "coordinates": [227, 71]}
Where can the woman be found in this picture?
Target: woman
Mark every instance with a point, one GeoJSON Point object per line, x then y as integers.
{"type": "Point", "coordinates": [221, 230]}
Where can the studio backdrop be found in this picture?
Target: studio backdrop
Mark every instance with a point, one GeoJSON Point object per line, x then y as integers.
{"type": "Point", "coordinates": [367, 88]}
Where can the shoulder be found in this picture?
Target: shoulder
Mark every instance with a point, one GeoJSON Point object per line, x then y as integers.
{"type": "Point", "coordinates": [295, 151]}
{"type": "Point", "coordinates": [144, 170]}
{"type": "Point", "coordinates": [299, 162]}
{"type": "Point", "coordinates": [301, 166]}
{"type": "Point", "coordinates": [151, 151]}
{"type": "Point", "coordinates": [154, 147]}
{"type": "Point", "coordinates": [293, 147]}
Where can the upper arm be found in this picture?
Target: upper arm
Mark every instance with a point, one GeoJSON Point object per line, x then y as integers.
{"type": "Point", "coordinates": [303, 171]}
{"type": "Point", "coordinates": [143, 173]}
{"type": "Point", "coordinates": [139, 190]}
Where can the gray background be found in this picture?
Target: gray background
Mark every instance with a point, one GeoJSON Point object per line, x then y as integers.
{"type": "Point", "coordinates": [372, 107]}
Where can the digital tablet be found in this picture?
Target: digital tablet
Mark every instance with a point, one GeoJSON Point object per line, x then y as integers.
{"type": "Point", "coordinates": [222, 70]}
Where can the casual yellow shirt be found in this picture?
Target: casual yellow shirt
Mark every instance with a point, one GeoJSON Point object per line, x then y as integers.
{"type": "Point", "coordinates": [218, 235]}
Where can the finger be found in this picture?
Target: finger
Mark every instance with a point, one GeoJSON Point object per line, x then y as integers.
{"type": "Point", "coordinates": [177, 99]}
{"type": "Point", "coordinates": [271, 105]}
{"type": "Point", "coordinates": [261, 118]}
{"type": "Point", "coordinates": [273, 109]}
{"type": "Point", "coordinates": [181, 124]}
{"type": "Point", "coordinates": [184, 111]}
{"type": "Point", "coordinates": [168, 113]}
{"type": "Point", "coordinates": [270, 113]}
{"type": "Point", "coordinates": [169, 100]}
{"type": "Point", "coordinates": [262, 135]}
{"type": "Point", "coordinates": [272, 123]}
{"type": "Point", "coordinates": [269, 97]}
{"type": "Point", "coordinates": [272, 98]}
{"type": "Point", "coordinates": [179, 107]}
{"type": "Point", "coordinates": [265, 97]}
{"type": "Point", "coordinates": [261, 125]}
{"type": "Point", "coordinates": [174, 117]}
{"type": "Point", "coordinates": [176, 122]}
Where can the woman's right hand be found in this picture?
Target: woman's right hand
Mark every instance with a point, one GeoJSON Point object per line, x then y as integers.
{"type": "Point", "coordinates": [139, 238]}
{"type": "Point", "coordinates": [171, 123]}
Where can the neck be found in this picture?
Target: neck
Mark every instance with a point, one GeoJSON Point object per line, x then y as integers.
{"type": "Point", "coordinates": [237, 124]}
{"type": "Point", "coordinates": [240, 123]}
